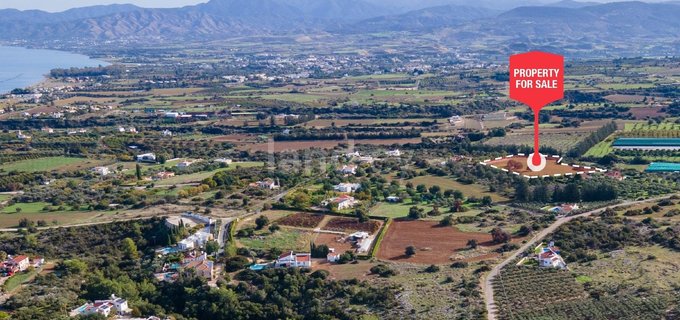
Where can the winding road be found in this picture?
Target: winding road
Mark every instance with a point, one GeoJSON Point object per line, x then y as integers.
{"type": "Point", "coordinates": [487, 287]}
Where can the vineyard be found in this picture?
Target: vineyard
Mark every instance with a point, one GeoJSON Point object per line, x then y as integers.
{"type": "Point", "coordinates": [644, 130]}
{"type": "Point", "coordinates": [532, 293]}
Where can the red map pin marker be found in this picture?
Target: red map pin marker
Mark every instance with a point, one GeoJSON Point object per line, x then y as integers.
{"type": "Point", "coordinates": [536, 79]}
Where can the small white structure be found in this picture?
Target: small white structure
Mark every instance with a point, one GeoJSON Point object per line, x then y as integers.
{"type": "Point", "coordinates": [167, 133]}
{"type": "Point", "coordinates": [223, 160]}
{"type": "Point", "coordinates": [347, 187]}
{"type": "Point", "coordinates": [294, 260]}
{"type": "Point", "coordinates": [102, 171]}
{"type": "Point", "coordinates": [184, 164]}
{"type": "Point", "coordinates": [366, 159]}
{"type": "Point", "coordinates": [172, 115]}
{"type": "Point", "coordinates": [147, 157]}
{"type": "Point", "coordinates": [121, 129]}
{"type": "Point", "coordinates": [21, 262]}
{"type": "Point", "coordinates": [455, 119]}
{"type": "Point", "coordinates": [348, 169]}
{"type": "Point", "coordinates": [393, 153]}
{"type": "Point", "coordinates": [22, 136]}
{"type": "Point", "coordinates": [393, 199]}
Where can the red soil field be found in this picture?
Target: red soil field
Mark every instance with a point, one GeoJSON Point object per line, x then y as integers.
{"type": "Point", "coordinates": [334, 241]}
{"type": "Point", "coordinates": [551, 168]}
{"type": "Point", "coordinates": [351, 225]}
{"type": "Point", "coordinates": [301, 220]}
{"type": "Point", "coordinates": [642, 113]}
{"type": "Point", "coordinates": [435, 244]}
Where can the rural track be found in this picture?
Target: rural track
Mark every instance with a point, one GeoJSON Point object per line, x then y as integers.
{"type": "Point", "coordinates": [487, 286]}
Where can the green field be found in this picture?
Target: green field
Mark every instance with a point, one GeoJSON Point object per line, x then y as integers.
{"type": "Point", "coordinates": [45, 164]}
{"type": "Point", "coordinates": [449, 183]}
{"type": "Point", "coordinates": [394, 210]}
{"type": "Point", "coordinates": [198, 176]}
{"type": "Point", "coordinates": [284, 239]}
{"type": "Point", "coordinates": [34, 207]}
{"type": "Point", "coordinates": [16, 280]}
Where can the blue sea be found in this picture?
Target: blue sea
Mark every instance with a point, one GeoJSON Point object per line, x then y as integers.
{"type": "Point", "coordinates": [21, 67]}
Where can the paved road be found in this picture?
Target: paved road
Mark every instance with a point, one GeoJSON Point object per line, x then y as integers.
{"type": "Point", "coordinates": [487, 287]}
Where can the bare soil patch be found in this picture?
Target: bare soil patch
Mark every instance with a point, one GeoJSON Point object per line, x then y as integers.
{"type": "Point", "coordinates": [301, 220]}
{"type": "Point", "coordinates": [435, 244]}
{"type": "Point", "coordinates": [352, 225]}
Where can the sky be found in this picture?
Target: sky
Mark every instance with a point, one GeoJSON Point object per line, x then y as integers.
{"type": "Point", "coordinates": [61, 5]}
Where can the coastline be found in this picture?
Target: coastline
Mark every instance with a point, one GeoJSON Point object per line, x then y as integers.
{"type": "Point", "coordinates": [35, 65]}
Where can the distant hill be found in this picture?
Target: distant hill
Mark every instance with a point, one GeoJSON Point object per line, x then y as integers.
{"type": "Point", "coordinates": [583, 23]}
{"type": "Point", "coordinates": [425, 19]}
{"type": "Point", "coordinates": [571, 4]}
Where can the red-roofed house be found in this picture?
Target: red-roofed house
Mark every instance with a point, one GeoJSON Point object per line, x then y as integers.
{"type": "Point", "coordinates": [296, 260]}
{"type": "Point", "coordinates": [20, 262]}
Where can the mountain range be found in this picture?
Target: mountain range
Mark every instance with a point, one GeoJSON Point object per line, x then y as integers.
{"type": "Point", "coordinates": [229, 18]}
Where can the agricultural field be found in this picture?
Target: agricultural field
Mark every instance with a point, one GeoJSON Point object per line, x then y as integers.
{"type": "Point", "coordinates": [284, 240]}
{"type": "Point", "coordinates": [395, 210]}
{"type": "Point", "coordinates": [435, 244]}
{"type": "Point", "coordinates": [281, 146]}
{"type": "Point", "coordinates": [302, 220]}
{"type": "Point", "coordinates": [449, 183]}
{"type": "Point", "coordinates": [50, 164]}
{"type": "Point", "coordinates": [559, 141]}
{"type": "Point", "coordinates": [515, 288]}
{"type": "Point", "coordinates": [351, 225]}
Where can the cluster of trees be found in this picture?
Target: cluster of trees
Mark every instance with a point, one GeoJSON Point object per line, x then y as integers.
{"type": "Point", "coordinates": [341, 135]}
{"type": "Point", "coordinates": [594, 138]}
{"type": "Point", "coordinates": [575, 191]}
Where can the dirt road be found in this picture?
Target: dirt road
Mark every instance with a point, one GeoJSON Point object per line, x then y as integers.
{"type": "Point", "coordinates": [487, 287]}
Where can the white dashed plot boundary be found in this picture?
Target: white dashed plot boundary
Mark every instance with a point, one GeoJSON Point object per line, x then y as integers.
{"type": "Point", "coordinates": [587, 169]}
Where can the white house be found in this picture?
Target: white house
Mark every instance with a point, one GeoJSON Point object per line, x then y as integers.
{"type": "Point", "coordinates": [223, 160]}
{"type": "Point", "coordinates": [103, 307]}
{"type": "Point", "coordinates": [294, 260]}
{"type": "Point", "coordinates": [266, 184]}
{"type": "Point", "coordinates": [167, 133]}
{"type": "Point", "coordinates": [343, 202]}
{"type": "Point", "coordinates": [147, 157]}
{"type": "Point", "coordinates": [172, 114]}
{"type": "Point", "coordinates": [185, 244]}
{"type": "Point", "coordinates": [455, 119]}
{"type": "Point", "coordinates": [348, 169]}
{"type": "Point", "coordinates": [102, 171]}
{"type": "Point", "coordinates": [549, 257]}
{"type": "Point", "coordinates": [21, 262]}
{"type": "Point", "coordinates": [347, 187]}
{"type": "Point", "coordinates": [393, 153]}
{"type": "Point", "coordinates": [121, 129]}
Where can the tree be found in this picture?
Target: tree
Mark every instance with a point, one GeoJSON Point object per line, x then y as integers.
{"type": "Point", "coordinates": [415, 213]}
{"type": "Point", "coordinates": [360, 213]}
{"type": "Point", "coordinates": [487, 201]}
{"type": "Point", "coordinates": [522, 190]}
{"type": "Point", "coordinates": [274, 227]}
{"type": "Point", "coordinates": [410, 251]}
{"type": "Point", "coordinates": [138, 171]}
{"type": "Point", "coordinates": [320, 251]}
{"type": "Point", "coordinates": [514, 165]}
{"type": "Point", "coordinates": [212, 247]}
{"type": "Point", "coordinates": [130, 249]}
{"type": "Point", "coordinates": [500, 236]}
{"type": "Point", "coordinates": [261, 222]}
{"type": "Point", "coordinates": [72, 266]}
{"type": "Point", "coordinates": [472, 243]}
{"type": "Point", "coordinates": [446, 221]}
